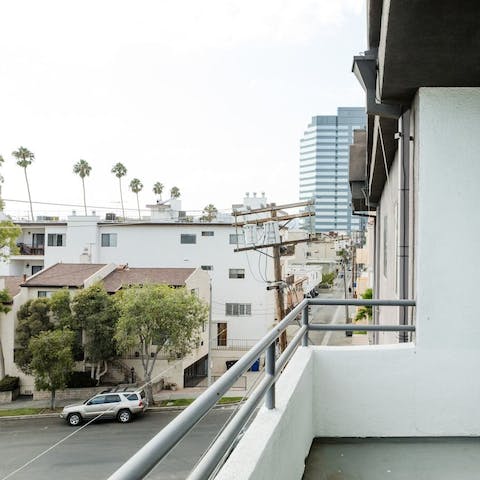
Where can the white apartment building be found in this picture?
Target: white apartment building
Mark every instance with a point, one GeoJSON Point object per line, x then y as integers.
{"type": "Point", "coordinates": [76, 276]}
{"type": "Point", "coordinates": [242, 310]}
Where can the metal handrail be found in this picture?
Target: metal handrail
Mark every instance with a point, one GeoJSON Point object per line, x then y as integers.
{"type": "Point", "coordinates": [142, 462]}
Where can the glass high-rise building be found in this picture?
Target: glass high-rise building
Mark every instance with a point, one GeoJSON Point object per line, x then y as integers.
{"type": "Point", "coordinates": [324, 156]}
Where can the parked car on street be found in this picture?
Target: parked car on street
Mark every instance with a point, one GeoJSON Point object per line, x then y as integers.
{"type": "Point", "coordinates": [120, 405]}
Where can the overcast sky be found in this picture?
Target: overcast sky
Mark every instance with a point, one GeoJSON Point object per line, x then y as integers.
{"type": "Point", "coordinates": [211, 96]}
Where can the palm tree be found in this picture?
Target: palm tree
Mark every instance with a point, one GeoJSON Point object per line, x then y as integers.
{"type": "Point", "coordinates": [25, 158]}
{"type": "Point", "coordinates": [175, 192]}
{"type": "Point", "coordinates": [83, 169]}
{"type": "Point", "coordinates": [158, 189]}
{"type": "Point", "coordinates": [136, 187]}
{"type": "Point", "coordinates": [120, 171]}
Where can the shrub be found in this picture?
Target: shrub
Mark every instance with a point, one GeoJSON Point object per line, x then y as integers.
{"type": "Point", "coordinates": [81, 380]}
{"type": "Point", "coordinates": [8, 383]}
{"type": "Point", "coordinates": [328, 278]}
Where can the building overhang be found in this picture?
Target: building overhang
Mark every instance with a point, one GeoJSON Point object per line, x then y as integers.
{"type": "Point", "coordinates": [431, 43]}
{"type": "Point", "coordinates": [357, 171]}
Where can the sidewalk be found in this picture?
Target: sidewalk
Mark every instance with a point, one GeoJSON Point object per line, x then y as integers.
{"type": "Point", "coordinates": [27, 402]}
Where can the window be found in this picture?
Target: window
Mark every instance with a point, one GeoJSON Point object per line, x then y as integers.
{"type": "Point", "coordinates": [56, 239]}
{"type": "Point", "coordinates": [236, 238]}
{"type": "Point", "coordinates": [221, 334]}
{"type": "Point", "coordinates": [208, 234]}
{"type": "Point", "coordinates": [238, 309]}
{"type": "Point", "coordinates": [207, 267]}
{"type": "Point", "coordinates": [36, 269]}
{"type": "Point", "coordinates": [132, 397]}
{"type": "Point", "coordinates": [112, 399]}
{"type": "Point", "coordinates": [188, 238]}
{"type": "Point", "coordinates": [109, 239]}
{"type": "Point", "coordinates": [38, 240]}
{"type": "Point", "coordinates": [97, 400]}
{"type": "Point", "coordinates": [236, 273]}
{"type": "Point", "coordinates": [44, 294]}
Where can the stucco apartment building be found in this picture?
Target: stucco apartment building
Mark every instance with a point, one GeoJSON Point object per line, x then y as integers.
{"type": "Point", "coordinates": [76, 276]}
{"type": "Point", "coordinates": [242, 308]}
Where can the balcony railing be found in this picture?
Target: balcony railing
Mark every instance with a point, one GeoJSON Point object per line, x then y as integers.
{"type": "Point", "coordinates": [158, 447]}
{"type": "Point", "coordinates": [25, 249]}
{"type": "Point", "coordinates": [241, 344]}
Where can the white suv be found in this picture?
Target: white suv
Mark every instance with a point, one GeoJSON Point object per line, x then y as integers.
{"type": "Point", "coordinates": [119, 405]}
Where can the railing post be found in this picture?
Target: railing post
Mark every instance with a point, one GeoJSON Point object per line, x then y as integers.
{"type": "Point", "coordinates": [270, 370]}
{"type": "Point", "coordinates": [305, 322]}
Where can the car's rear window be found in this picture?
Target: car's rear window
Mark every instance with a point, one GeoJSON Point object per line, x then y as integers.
{"type": "Point", "coordinates": [132, 396]}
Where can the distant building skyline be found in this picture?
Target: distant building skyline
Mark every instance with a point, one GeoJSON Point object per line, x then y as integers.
{"type": "Point", "coordinates": [324, 150]}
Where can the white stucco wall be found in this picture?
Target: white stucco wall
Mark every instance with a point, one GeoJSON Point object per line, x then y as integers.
{"type": "Point", "coordinates": [158, 245]}
{"type": "Point", "coordinates": [430, 388]}
{"type": "Point", "coordinates": [278, 442]}
{"type": "Point", "coordinates": [387, 280]}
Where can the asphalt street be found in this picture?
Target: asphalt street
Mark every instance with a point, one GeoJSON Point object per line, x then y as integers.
{"type": "Point", "coordinates": [330, 314]}
{"type": "Point", "coordinates": [97, 450]}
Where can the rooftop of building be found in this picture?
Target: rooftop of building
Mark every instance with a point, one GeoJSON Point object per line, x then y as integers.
{"type": "Point", "coordinates": [71, 275]}
{"type": "Point", "coordinates": [12, 284]}
{"type": "Point", "coordinates": [175, 277]}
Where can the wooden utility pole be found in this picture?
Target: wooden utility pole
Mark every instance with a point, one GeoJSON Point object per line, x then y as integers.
{"type": "Point", "coordinates": [279, 297]}
{"type": "Point", "coordinates": [272, 209]}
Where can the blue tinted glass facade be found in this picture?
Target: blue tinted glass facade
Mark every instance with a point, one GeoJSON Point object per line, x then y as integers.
{"type": "Point", "coordinates": [324, 159]}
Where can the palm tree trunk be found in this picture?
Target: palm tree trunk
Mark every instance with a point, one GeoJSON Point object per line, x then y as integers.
{"type": "Point", "coordinates": [121, 198]}
{"type": "Point", "coordinates": [28, 190]}
{"type": "Point", "coordinates": [138, 207]}
{"type": "Point", "coordinates": [84, 199]}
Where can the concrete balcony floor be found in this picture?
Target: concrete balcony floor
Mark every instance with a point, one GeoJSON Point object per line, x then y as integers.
{"type": "Point", "coordinates": [438, 458]}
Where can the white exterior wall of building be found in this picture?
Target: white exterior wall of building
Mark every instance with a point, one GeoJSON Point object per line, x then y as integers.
{"type": "Point", "coordinates": [387, 269]}
{"type": "Point", "coordinates": [425, 389]}
{"type": "Point", "coordinates": [81, 241]}
{"type": "Point", "coordinates": [158, 245]}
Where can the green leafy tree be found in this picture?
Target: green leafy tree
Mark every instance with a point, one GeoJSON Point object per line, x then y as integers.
{"type": "Point", "coordinates": [9, 232]}
{"type": "Point", "coordinates": [24, 159]}
{"type": "Point", "coordinates": [158, 189]}
{"type": "Point", "coordinates": [155, 318]}
{"type": "Point", "coordinates": [62, 317]}
{"type": "Point", "coordinates": [175, 192]}
{"type": "Point", "coordinates": [136, 187]}
{"type": "Point", "coordinates": [61, 310]}
{"type": "Point", "coordinates": [33, 318]}
{"type": "Point", "coordinates": [328, 278]}
{"type": "Point", "coordinates": [5, 301]}
{"type": "Point", "coordinates": [83, 169]}
{"type": "Point", "coordinates": [209, 213]}
{"type": "Point", "coordinates": [52, 360]}
{"type": "Point", "coordinates": [94, 311]}
{"type": "Point", "coordinates": [120, 171]}
{"type": "Point", "coordinates": [365, 313]}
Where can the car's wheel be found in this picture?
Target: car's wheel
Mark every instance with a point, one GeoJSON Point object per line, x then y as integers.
{"type": "Point", "coordinates": [74, 419]}
{"type": "Point", "coordinates": [124, 416]}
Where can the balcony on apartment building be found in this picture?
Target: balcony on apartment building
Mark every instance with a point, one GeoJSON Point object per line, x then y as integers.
{"type": "Point", "coordinates": [24, 249]}
{"type": "Point", "coordinates": [349, 412]}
